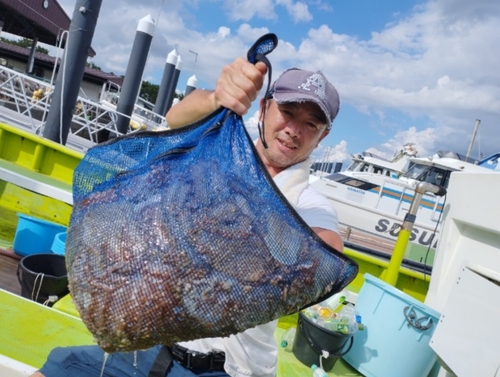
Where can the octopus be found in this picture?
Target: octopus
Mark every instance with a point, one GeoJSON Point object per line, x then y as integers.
{"type": "Point", "coordinates": [168, 243]}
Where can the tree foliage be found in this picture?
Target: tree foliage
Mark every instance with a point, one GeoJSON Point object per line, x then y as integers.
{"type": "Point", "coordinates": [149, 91]}
{"type": "Point", "coordinates": [26, 43]}
{"type": "Point", "coordinates": [93, 66]}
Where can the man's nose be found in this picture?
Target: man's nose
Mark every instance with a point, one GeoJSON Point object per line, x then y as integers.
{"type": "Point", "coordinates": [293, 128]}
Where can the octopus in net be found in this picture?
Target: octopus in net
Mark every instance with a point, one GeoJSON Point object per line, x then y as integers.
{"type": "Point", "coordinates": [162, 255]}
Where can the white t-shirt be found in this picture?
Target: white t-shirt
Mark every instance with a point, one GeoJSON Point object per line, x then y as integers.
{"type": "Point", "coordinates": [254, 352]}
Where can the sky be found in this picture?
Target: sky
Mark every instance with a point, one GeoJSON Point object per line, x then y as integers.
{"type": "Point", "coordinates": [410, 71]}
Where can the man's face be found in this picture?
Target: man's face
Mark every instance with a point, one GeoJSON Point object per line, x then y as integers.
{"type": "Point", "coordinates": [292, 131]}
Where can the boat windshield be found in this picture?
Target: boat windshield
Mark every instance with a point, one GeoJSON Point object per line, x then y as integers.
{"type": "Point", "coordinates": [415, 171]}
{"type": "Point", "coordinates": [431, 174]}
{"type": "Point", "coordinates": [355, 166]}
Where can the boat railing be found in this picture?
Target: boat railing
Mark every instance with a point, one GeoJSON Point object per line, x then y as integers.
{"type": "Point", "coordinates": [25, 95]}
{"type": "Point", "coordinates": [142, 115]}
{"type": "Point", "coordinates": [28, 101]}
{"type": "Point", "coordinates": [406, 195]}
{"type": "Point", "coordinates": [384, 189]}
{"type": "Point", "coordinates": [90, 118]}
{"type": "Point", "coordinates": [436, 210]}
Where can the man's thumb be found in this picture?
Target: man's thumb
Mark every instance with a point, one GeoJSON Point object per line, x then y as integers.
{"type": "Point", "coordinates": [261, 67]}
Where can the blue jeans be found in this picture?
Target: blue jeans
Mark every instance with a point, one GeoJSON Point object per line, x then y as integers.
{"type": "Point", "coordinates": [87, 361]}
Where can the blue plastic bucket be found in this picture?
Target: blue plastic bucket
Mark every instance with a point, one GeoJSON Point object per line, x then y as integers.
{"type": "Point", "coordinates": [396, 335]}
{"type": "Point", "coordinates": [59, 244]}
{"type": "Point", "coordinates": [34, 235]}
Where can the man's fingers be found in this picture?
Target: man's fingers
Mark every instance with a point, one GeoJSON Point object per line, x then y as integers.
{"type": "Point", "coordinates": [239, 85]}
{"type": "Point", "coordinates": [233, 98]}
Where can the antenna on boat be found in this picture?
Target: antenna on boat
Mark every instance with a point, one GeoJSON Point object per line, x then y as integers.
{"type": "Point", "coordinates": [195, 59]}
{"type": "Point", "coordinates": [478, 121]}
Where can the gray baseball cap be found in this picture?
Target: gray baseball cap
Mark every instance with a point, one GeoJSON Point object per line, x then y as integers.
{"type": "Point", "coordinates": [297, 85]}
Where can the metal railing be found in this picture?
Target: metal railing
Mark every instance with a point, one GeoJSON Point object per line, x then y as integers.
{"type": "Point", "coordinates": [25, 103]}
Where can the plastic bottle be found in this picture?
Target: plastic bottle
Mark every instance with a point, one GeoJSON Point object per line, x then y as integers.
{"type": "Point", "coordinates": [348, 315]}
{"type": "Point", "coordinates": [348, 311]}
{"type": "Point", "coordinates": [317, 371]}
{"type": "Point", "coordinates": [287, 339]}
{"type": "Point", "coordinates": [337, 324]}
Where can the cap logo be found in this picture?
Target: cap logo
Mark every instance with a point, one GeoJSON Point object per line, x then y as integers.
{"type": "Point", "coordinates": [318, 81]}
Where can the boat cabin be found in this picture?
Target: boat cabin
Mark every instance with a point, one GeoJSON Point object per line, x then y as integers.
{"type": "Point", "coordinates": [438, 168]}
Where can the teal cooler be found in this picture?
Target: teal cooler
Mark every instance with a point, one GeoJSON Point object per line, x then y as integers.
{"type": "Point", "coordinates": [397, 332]}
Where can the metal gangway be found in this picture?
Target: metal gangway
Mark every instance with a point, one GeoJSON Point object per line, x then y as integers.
{"type": "Point", "coordinates": [25, 102]}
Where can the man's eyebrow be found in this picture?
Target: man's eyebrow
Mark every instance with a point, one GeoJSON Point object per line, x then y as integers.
{"type": "Point", "coordinates": [315, 114]}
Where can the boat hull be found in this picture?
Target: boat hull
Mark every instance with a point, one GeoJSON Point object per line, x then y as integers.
{"type": "Point", "coordinates": [381, 216]}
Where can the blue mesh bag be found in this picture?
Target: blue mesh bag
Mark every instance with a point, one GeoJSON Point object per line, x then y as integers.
{"type": "Point", "coordinates": [183, 234]}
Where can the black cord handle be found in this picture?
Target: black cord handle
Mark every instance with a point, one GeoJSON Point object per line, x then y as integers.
{"type": "Point", "coordinates": [257, 53]}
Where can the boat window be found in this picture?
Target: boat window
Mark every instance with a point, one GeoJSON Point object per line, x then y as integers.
{"type": "Point", "coordinates": [355, 166]}
{"type": "Point", "coordinates": [434, 175]}
{"type": "Point", "coordinates": [353, 182]}
{"type": "Point", "coordinates": [446, 179]}
{"type": "Point", "coordinates": [416, 171]}
{"type": "Point", "coordinates": [424, 173]}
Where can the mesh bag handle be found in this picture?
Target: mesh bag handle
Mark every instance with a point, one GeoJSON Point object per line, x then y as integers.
{"type": "Point", "coordinates": [257, 53]}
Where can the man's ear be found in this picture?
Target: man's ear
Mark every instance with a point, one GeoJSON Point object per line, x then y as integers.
{"type": "Point", "coordinates": [325, 134]}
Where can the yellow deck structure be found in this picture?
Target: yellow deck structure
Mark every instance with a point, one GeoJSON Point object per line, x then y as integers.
{"type": "Point", "coordinates": [35, 178]}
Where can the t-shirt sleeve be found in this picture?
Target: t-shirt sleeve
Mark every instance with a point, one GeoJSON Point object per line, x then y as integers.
{"type": "Point", "coordinates": [317, 211]}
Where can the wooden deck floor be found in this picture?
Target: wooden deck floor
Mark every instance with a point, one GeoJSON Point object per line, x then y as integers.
{"type": "Point", "coordinates": [367, 240]}
{"type": "Point", "coordinates": [8, 267]}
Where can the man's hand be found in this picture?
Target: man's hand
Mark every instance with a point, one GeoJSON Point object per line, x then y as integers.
{"type": "Point", "coordinates": [237, 87]}
{"type": "Point", "coordinates": [239, 84]}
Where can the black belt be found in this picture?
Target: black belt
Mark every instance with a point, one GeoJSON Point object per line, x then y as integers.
{"type": "Point", "coordinates": [188, 359]}
{"type": "Point", "coordinates": [198, 360]}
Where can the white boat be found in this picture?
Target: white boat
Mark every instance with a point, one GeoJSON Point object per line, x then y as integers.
{"type": "Point", "coordinates": [491, 162]}
{"type": "Point", "coordinates": [369, 163]}
{"type": "Point", "coordinates": [376, 204]}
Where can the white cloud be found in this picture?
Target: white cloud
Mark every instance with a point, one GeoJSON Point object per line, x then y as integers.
{"type": "Point", "coordinates": [249, 34]}
{"type": "Point", "coordinates": [298, 11]}
{"type": "Point", "coordinates": [425, 142]}
{"type": "Point", "coordinates": [224, 32]}
{"type": "Point", "coordinates": [325, 153]}
{"type": "Point", "coordinates": [420, 67]}
{"type": "Point", "coordinates": [437, 66]}
{"type": "Point", "coordinates": [251, 124]}
{"type": "Point", "coordinates": [247, 9]}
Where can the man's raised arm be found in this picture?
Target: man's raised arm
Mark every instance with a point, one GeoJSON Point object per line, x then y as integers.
{"type": "Point", "coordinates": [237, 87]}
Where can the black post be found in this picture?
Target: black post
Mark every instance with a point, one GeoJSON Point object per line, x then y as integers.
{"type": "Point", "coordinates": [133, 75]}
{"type": "Point", "coordinates": [191, 85]}
{"type": "Point", "coordinates": [173, 84]}
{"type": "Point", "coordinates": [163, 91]}
{"type": "Point", "coordinates": [69, 78]}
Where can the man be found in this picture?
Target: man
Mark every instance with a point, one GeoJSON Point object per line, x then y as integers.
{"type": "Point", "coordinates": [297, 114]}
